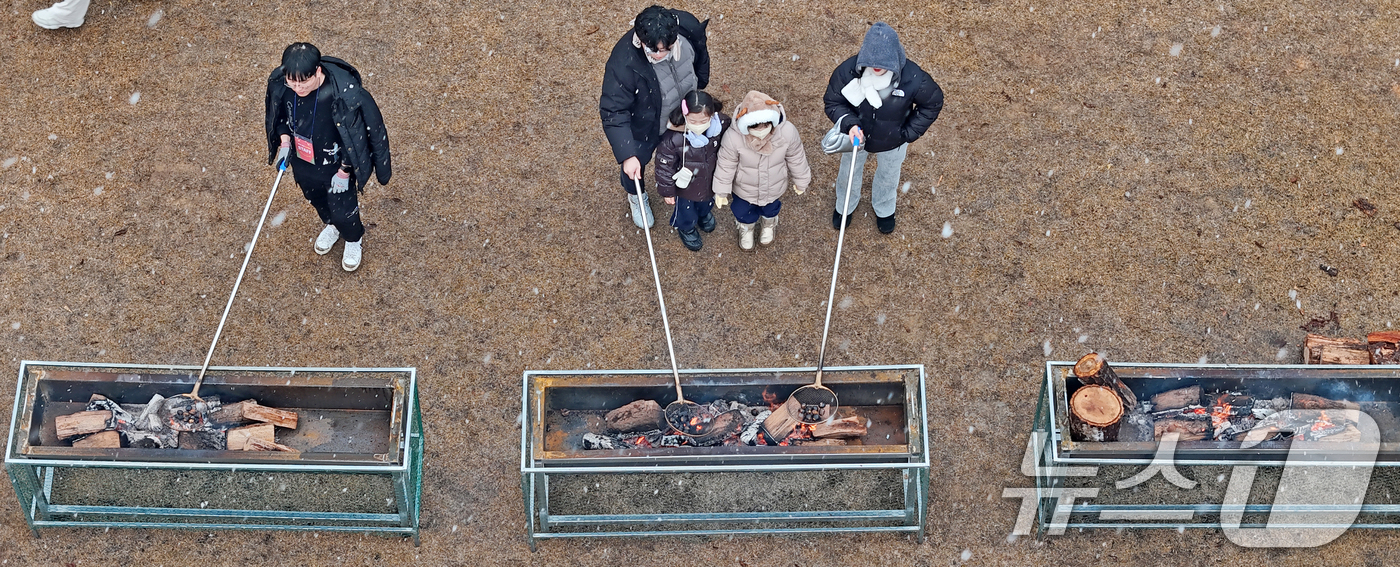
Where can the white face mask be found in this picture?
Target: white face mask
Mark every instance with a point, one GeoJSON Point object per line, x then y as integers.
{"type": "Point", "coordinates": [760, 132]}
{"type": "Point", "coordinates": [697, 128]}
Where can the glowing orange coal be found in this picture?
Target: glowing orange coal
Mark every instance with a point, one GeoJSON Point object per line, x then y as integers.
{"type": "Point", "coordinates": [802, 432]}
{"type": "Point", "coordinates": [1322, 423]}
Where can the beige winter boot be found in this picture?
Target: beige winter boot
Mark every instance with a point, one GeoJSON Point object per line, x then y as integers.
{"type": "Point", "coordinates": [745, 235]}
{"type": "Point", "coordinates": [766, 226]}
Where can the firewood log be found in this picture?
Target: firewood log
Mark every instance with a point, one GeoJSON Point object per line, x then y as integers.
{"type": "Point", "coordinates": [846, 428]}
{"type": "Point", "coordinates": [238, 437]}
{"type": "Point", "coordinates": [782, 421]}
{"type": "Point", "coordinates": [1178, 398]}
{"type": "Point", "coordinates": [1384, 347]}
{"type": "Point", "coordinates": [1318, 349]}
{"type": "Point", "coordinates": [1094, 413]}
{"type": "Point", "coordinates": [258, 444]}
{"type": "Point", "coordinates": [82, 423]}
{"type": "Point", "coordinates": [1093, 369]}
{"type": "Point", "coordinates": [281, 418]}
{"type": "Point", "coordinates": [1350, 435]}
{"type": "Point", "coordinates": [1189, 429]}
{"type": "Point", "coordinates": [1311, 402]}
{"type": "Point", "coordinates": [641, 415]}
{"type": "Point", "coordinates": [230, 415]}
{"type": "Point", "coordinates": [101, 440]}
{"type": "Point", "coordinates": [823, 442]}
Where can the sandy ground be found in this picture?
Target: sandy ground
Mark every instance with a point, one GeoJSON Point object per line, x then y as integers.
{"type": "Point", "coordinates": [1102, 193]}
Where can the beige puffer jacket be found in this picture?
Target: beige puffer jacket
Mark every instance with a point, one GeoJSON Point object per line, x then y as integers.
{"type": "Point", "coordinates": [756, 170]}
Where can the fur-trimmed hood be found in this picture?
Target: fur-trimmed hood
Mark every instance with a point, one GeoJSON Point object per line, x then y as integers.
{"type": "Point", "coordinates": [758, 108]}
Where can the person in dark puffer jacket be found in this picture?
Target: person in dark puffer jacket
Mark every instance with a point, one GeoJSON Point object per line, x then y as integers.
{"type": "Point", "coordinates": [886, 101]}
{"type": "Point", "coordinates": [653, 65]}
{"type": "Point", "coordinates": [335, 148]}
{"type": "Point", "coordinates": [685, 165]}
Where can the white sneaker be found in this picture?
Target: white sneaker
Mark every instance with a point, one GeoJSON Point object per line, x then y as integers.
{"type": "Point", "coordinates": [65, 14]}
{"type": "Point", "coordinates": [329, 236]}
{"type": "Point", "coordinates": [641, 210]}
{"type": "Point", "coordinates": [351, 260]}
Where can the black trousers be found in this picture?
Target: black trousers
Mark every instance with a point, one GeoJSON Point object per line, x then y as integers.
{"type": "Point", "coordinates": [627, 184]}
{"type": "Point", "coordinates": [339, 209]}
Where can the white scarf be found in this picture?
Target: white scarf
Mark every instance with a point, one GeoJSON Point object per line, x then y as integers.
{"type": "Point", "coordinates": [866, 88]}
{"type": "Point", "coordinates": [675, 49]}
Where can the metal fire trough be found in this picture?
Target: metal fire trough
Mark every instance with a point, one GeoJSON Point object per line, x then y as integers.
{"type": "Point", "coordinates": [359, 469]}
{"type": "Point", "coordinates": [1077, 482]}
{"type": "Point", "coordinates": [878, 485]}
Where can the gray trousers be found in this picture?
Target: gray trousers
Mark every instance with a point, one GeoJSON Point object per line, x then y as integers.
{"type": "Point", "coordinates": [883, 189]}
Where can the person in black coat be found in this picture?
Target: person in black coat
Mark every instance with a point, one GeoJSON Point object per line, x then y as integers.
{"type": "Point", "coordinates": [885, 101]}
{"type": "Point", "coordinates": [652, 66]}
{"type": "Point", "coordinates": [328, 150]}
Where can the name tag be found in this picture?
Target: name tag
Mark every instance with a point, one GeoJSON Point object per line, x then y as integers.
{"type": "Point", "coordinates": [897, 92]}
{"type": "Point", "coordinates": [304, 150]}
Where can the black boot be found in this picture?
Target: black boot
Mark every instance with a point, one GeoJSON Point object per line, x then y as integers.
{"type": "Point", "coordinates": [836, 220]}
{"type": "Point", "coordinates": [691, 239]}
{"type": "Point", "coordinates": [885, 224]}
{"type": "Point", "coordinates": [707, 222]}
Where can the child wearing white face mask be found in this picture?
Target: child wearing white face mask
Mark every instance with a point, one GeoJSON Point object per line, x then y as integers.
{"type": "Point", "coordinates": [757, 158]}
{"type": "Point", "coordinates": [685, 165]}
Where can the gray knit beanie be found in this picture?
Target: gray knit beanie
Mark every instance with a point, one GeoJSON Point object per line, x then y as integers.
{"type": "Point", "coordinates": [881, 49]}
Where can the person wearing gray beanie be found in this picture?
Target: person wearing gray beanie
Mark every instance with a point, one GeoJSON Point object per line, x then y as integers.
{"type": "Point", "coordinates": [885, 101]}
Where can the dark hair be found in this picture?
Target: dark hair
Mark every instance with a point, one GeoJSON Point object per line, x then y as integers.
{"type": "Point", "coordinates": [300, 61]}
{"type": "Point", "coordinates": [696, 101]}
{"type": "Point", "coordinates": [656, 26]}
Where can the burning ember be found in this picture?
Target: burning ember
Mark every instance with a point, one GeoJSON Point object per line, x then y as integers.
{"type": "Point", "coordinates": [1228, 415]}
{"type": "Point", "coordinates": [1322, 423]}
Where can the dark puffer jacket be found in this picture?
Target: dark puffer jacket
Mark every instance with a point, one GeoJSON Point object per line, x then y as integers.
{"type": "Point", "coordinates": [357, 120]}
{"type": "Point", "coordinates": [630, 104]}
{"type": "Point", "coordinates": [699, 160]}
{"type": "Point", "coordinates": [903, 117]}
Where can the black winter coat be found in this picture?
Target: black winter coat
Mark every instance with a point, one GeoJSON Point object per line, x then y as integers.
{"type": "Point", "coordinates": [901, 119]}
{"type": "Point", "coordinates": [356, 116]}
{"type": "Point", "coordinates": [631, 101]}
{"type": "Point", "coordinates": [701, 160]}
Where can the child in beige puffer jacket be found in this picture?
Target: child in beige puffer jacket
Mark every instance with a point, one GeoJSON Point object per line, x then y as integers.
{"type": "Point", "coordinates": [757, 157]}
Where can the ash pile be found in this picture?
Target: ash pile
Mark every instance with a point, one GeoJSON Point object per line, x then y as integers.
{"type": "Point", "coordinates": [642, 424]}
{"type": "Point", "coordinates": [176, 423]}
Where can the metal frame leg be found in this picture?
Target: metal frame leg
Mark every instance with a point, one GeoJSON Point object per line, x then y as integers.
{"type": "Point", "coordinates": [33, 502]}
{"type": "Point", "coordinates": [527, 489]}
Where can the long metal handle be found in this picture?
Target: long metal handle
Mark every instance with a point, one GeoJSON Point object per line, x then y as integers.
{"type": "Point", "coordinates": [656, 276]}
{"type": "Point", "coordinates": [836, 267]}
{"type": "Point", "coordinates": [219, 331]}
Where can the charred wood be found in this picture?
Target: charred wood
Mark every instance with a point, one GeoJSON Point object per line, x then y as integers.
{"type": "Point", "coordinates": [1384, 347]}
{"type": "Point", "coordinates": [100, 440]}
{"type": "Point", "coordinates": [641, 415]}
{"type": "Point", "coordinates": [1176, 399]}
